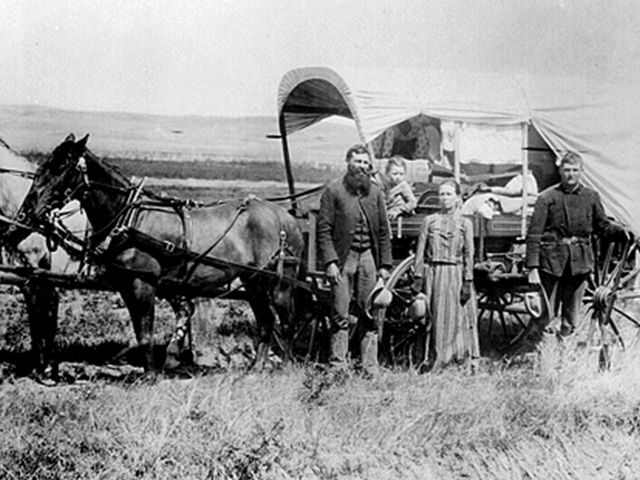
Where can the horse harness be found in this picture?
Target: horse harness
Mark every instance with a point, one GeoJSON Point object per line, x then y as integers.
{"type": "Point", "coordinates": [120, 234]}
{"type": "Point", "coordinates": [124, 235]}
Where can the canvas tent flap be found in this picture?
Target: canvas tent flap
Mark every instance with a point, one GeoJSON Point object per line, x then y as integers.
{"type": "Point", "coordinates": [594, 116]}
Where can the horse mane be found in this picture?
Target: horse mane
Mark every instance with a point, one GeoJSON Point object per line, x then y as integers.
{"type": "Point", "coordinates": [107, 166]}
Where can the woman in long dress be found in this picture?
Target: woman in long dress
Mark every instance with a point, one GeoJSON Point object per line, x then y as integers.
{"type": "Point", "coordinates": [444, 272]}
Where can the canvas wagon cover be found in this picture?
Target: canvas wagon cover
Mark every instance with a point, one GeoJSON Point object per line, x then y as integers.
{"type": "Point", "coordinates": [598, 117]}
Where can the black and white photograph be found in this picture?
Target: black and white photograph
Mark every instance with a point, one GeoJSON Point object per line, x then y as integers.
{"type": "Point", "coordinates": [326, 240]}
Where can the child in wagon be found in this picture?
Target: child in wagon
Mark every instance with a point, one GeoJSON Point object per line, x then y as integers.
{"type": "Point", "coordinates": [399, 197]}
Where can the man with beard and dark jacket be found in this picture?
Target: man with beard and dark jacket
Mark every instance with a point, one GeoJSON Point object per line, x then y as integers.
{"type": "Point", "coordinates": [354, 243]}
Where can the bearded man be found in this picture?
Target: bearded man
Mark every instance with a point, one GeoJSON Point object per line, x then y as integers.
{"type": "Point", "coordinates": [354, 243]}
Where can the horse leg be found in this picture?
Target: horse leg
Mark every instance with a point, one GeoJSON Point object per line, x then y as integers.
{"type": "Point", "coordinates": [284, 307]}
{"type": "Point", "coordinates": [263, 312]}
{"type": "Point", "coordinates": [41, 300]}
{"type": "Point", "coordinates": [139, 297]}
{"type": "Point", "coordinates": [183, 308]}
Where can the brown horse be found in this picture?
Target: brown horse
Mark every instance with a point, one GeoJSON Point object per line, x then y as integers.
{"type": "Point", "coordinates": [151, 246]}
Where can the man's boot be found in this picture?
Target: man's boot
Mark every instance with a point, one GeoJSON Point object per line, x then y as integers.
{"type": "Point", "coordinates": [369, 354]}
{"type": "Point", "coordinates": [339, 349]}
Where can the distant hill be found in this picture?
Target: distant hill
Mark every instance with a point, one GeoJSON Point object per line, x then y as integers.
{"type": "Point", "coordinates": [157, 137]}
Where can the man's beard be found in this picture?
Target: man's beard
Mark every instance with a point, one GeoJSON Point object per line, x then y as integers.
{"type": "Point", "coordinates": [357, 182]}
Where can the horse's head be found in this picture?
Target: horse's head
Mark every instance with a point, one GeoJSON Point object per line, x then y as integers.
{"type": "Point", "coordinates": [60, 178]}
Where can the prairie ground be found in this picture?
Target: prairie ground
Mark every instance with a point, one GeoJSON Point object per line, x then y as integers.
{"type": "Point", "coordinates": [551, 415]}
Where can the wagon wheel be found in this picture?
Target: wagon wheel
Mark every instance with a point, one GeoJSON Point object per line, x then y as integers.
{"type": "Point", "coordinates": [516, 306]}
{"type": "Point", "coordinates": [402, 339]}
{"type": "Point", "coordinates": [607, 293]}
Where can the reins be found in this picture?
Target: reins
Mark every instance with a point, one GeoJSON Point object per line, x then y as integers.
{"type": "Point", "coordinates": [18, 173]}
{"type": "Point", "coordinates": [98, 244]}
{"type": "Point", "coordinates": [241, 208]}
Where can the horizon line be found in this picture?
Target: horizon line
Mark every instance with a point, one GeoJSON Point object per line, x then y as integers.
{"type": "Point", "coordinates": [124, 112]}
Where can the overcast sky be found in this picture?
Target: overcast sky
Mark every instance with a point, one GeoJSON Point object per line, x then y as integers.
{"type": "Point", "coordinates": [216, 57]}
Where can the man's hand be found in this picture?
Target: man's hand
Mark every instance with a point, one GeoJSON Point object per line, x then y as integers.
{"type": "Point", "coordinates": [534, 276]}
{"type": "Point", "coordinates": [333, 273]}
{"type": "Point", "coordinates": [383, 273]}
{"type": "Point", "coordinates": [465, 292]}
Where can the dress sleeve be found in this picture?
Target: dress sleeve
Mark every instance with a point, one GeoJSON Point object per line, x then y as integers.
{"type": "Point", "coordinates": [418, 266]}
{"type": "Point", "coordinates": [467, 254]}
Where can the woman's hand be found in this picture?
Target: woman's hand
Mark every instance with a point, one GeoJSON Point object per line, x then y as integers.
{"type": "Point", "coordinates": [465, 292]}
{"type": "Point", "coordinates": [417, 284]}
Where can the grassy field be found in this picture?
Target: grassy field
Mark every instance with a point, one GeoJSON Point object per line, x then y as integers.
{"type": "Point", "coordinates": [552, 418]}
{"type": "Point", "coordinates": [552, 415]}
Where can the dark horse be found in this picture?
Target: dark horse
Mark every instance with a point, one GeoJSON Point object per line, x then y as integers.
{"type": "Point", "coordinates": [151, 246]}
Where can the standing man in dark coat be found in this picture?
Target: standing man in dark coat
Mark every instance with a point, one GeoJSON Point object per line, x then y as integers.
{"type": "Point", "coordinates": [559, 251]}
{"type": "Point", "coordinates": [354, 243]}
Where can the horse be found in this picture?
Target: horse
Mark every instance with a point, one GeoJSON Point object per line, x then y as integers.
{"type": "Point", "coordinates": [152, 246]}
{"type": "Point", "coordinates": [41, 297]}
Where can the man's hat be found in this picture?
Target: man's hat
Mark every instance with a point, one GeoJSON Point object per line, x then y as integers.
{"type": "Point", "coordinates": [380, 297]}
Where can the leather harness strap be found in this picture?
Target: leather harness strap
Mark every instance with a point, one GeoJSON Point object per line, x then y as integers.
{"type": "Point", "coordinates": [134, 237]}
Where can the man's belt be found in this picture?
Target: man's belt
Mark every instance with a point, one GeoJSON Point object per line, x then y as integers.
{"type": "Point", "coordinates": [574, 240]}
{"type": "Point", "coordinates": [361, 249]}
{"type": "Point", "coordinates": [568, 241]}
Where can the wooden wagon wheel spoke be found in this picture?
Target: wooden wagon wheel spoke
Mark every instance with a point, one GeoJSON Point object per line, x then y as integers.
{"type": "Point", "coordinates": [606, 263]}
{"type": "Point", "coordinates": [624, 314]}
{"type": "Point", "coordinates": [485, 314]}
{"type": "Point", "coordinates": [630, 276]}
{"type": "Point", "coordinates": [503, 322]}
{"type": "Point", "coordinates": [601, 295]}
{"type": "Point", "coordinates": [401, 341]}
{"type": "Point", "coordinates": [615, 275]}
{"type": "Point", "coordinates": [616, 283]}
{"type": "Point", "coordinates": [517, 317]}
{"type": "Point", "coordinates": [616, 332]}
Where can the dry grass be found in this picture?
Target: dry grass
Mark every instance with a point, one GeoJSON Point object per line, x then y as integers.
{"type": "Point", "coordinates": [553, 415]}
{"type": "Point", "coordinates": [550, 416]}
{"type": "Point", "coordinates": [556, 417]}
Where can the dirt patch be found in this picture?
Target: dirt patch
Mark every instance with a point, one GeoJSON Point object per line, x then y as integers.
{"type": "Point", "coordinates": [94, 329]}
